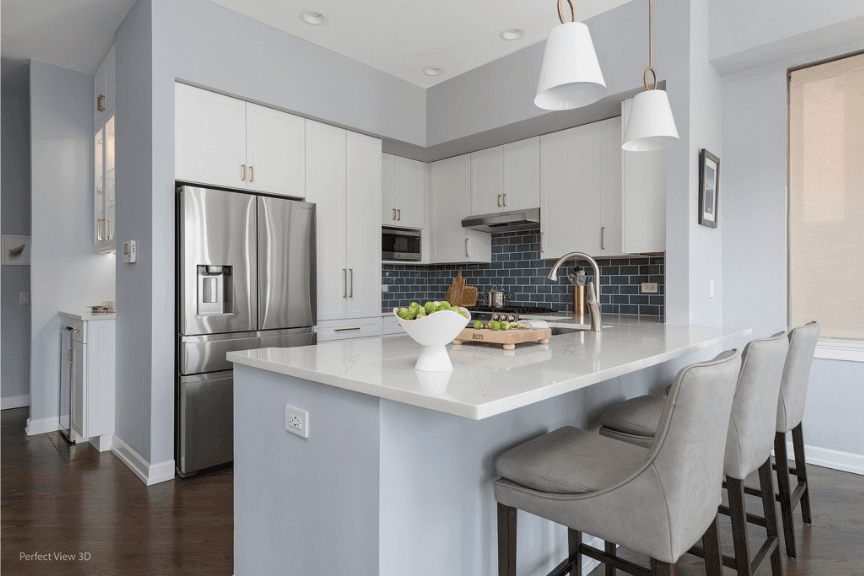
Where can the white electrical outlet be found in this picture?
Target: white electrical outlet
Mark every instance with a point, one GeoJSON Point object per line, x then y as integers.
{"type": "Point", "coordinates": [297, 421]}
{"type": "Point", "coordinates": [385, 288]}
{"type": "Point", "coordinates": [649, 287]}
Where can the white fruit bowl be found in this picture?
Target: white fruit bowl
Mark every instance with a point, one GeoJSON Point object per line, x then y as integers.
{"type": "Point", "coordinates": [434, 332]}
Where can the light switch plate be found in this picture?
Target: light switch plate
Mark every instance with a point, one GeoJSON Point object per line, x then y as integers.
{"type": "Point", "coordinates": [649, 288]}
{"type": "Point", "coordinates": [130, 252]}
{"type": "Point", "coordinates": [23, 297]}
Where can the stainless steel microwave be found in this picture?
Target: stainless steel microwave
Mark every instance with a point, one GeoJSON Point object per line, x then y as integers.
{"type": "Point", "coordinates": [400, 244]}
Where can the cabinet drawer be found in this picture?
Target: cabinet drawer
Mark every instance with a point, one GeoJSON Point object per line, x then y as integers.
{"type": "Point", "coordinates": [392, 326]}
{"type": "Point", "coordinates": [347, 329]}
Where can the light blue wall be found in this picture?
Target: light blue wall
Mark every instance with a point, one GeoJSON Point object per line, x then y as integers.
{"type": "Point", "coordinates": [16, 220]}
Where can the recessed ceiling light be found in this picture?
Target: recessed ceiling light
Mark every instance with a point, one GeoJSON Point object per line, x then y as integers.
{"type": "Point", "coordinates": [312, 17]}
{"type": "Point", "coordinates": [512, 34]}
{"type": "Point", "coordinates": [433, 70]}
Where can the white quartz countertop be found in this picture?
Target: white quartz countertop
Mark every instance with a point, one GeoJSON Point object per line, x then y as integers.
{"type": "Point", "coordinates": [87, 316]}
{"type": "Point", "coordinates": [487, 380]}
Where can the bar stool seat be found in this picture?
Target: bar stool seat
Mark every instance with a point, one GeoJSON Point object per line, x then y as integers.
{"type": "Point", "coordinates": [634, 421]}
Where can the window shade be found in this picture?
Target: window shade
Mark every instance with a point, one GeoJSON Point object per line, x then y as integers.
{"type": "Point", "coordinates": [826, 197]}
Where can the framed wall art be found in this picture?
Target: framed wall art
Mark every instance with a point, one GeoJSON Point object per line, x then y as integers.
{"type": "Point", "coordinates": [16, 250]}
{"type": "Point", "coordinates": [709, 188]}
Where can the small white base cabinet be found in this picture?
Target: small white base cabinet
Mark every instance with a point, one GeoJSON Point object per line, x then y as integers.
{"type": "Point", "coordinates": [87, 375]}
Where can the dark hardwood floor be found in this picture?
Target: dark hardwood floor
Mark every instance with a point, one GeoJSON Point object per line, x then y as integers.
{"type": "Point", "coordinates": [62, 498]}
{"type": "Point", "coordinates": [833, 545]}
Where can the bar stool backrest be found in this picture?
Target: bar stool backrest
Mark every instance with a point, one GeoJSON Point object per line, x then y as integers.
{"type": "Point", "coordinates": [796, 376]}
{"type": "Point", "coordinates": [689, 447]}
{"type": "Point", "coordinates": [751, 430]}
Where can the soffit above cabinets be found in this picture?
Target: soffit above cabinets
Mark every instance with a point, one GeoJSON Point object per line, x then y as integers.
{"type": "Point", "coordinates": [401, 38]}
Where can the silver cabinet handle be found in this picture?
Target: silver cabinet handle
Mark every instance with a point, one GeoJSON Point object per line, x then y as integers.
{"type": "Point", "coordinates": [99, 222]}
{"type": "Point", "coordinates": [251, 173]}
{"type": "Point", "coordinates": [542, 234]}
{"type": "Point", "coordinates": [467, 254]}
{"type": "Point", "coordinates": [100, 103]}
{"type": "Point", "coordinates": [505, 200]}
{"type": "Point", "coordinates": [399, 214]}
{"type": "Point", "coordinates": [243, 174]}
{"type": "Point", "coordinates": [499, 201]}
{"type": "Point", "coordinates": [345, 282]}
{"type": "Point", "coordinates": [110, 229]}
{"type": "Point", "coordinates": [70, 355]}
{"type": "Point", "coordinates": [394, 214]}
{"type": "Point", "coordinates": [602, 237]}
{"type": "Point", "coordinates": [351, 329]}
{"type": "Point", "coordinates": [351, 294]}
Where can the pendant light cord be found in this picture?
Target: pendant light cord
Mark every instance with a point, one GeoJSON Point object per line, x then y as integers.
{"type": "Point", "coordinates": [561, 11]}
{"type": "Point", "coordinates": [650, 67]}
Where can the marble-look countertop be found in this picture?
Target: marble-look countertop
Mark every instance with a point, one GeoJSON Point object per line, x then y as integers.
{"type": "Point", "coordinates": [87, 316]}
{"type": "Point", "coordinates": [486, 380]}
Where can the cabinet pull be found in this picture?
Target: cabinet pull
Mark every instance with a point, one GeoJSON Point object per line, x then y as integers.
{"type": "Point", "coordinates": [542, 234]}
{"type": "Point", "coordinates": [345, 282]}
{"type": "Point", "coordinates": [399, 214]}
{"type": "Point", "coordinates": [499, 201]}
{"type": "Point", "coordinates": [70, 355]}
{"type": "Point", "coordinates": [467, 255]}
{"type": "Point", "coordinates": [110, 229]}
{"type": "Point", "coordinates": [99, 222]}
{"type": "Point", "coordinates": [351, 294]}
{"type": "Point", "coordinates": [351, 329]}
{"type": "Point", "coordinates": [602, 237]}
{"type": "Point", "coordinates": [394, 214]}
{"type": "Point", "coordinates": [505, 200]}
{"type": "Point", "coordinates": [100, 103]}
{"type": "Point", "coordinates": [243, 174]}
{"type": "Point", "coordinates": [251, 173]}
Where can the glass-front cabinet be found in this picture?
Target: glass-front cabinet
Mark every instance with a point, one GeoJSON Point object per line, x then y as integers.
{"type": "Point", "coordinates": [104, 190]}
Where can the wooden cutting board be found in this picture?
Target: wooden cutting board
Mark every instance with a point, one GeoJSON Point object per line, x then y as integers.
{"type": "Point", "coordinates": [459, 294]}
{"type": "Point", "coordinates": [506, 338]}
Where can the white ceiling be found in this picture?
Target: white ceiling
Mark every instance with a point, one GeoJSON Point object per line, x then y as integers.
{"type": "Point", "coordinates": [74, 34]}
{"type": "Point", "coordinates": [401, 37]}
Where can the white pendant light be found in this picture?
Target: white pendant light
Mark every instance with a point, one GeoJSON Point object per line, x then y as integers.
{"type": "Point", "coordinates": [651, 125]}
{"type": "Point", "coordinates": [570, 76]}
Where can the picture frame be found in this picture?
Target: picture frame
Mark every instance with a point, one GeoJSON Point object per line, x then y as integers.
{"type": "Point", "coordinates": [709, 188]}
{"type": "Point", "coordinates": [16, 250]}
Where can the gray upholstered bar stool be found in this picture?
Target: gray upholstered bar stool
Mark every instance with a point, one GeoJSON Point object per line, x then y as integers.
{"type": "Point", "coordinates": [658, 502]}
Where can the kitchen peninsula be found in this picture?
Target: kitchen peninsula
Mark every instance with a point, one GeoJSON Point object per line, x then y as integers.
{"type": "Point", "coordinates": [395, 475]}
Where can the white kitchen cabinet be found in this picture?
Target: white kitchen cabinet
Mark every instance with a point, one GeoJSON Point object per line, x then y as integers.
{"type": "Point", "coordinates": [104, 88]}
{"type": "Point", "coordinates": [521, 175]}
{"type": "Point", "coordinates": [392, 326]}
{"type": "Point", "coordinates": [487, 181]}
{"type": "Point", "coordinates": [403, 192]}
{"type": "Point", "coordinates": [350, 329]}
{"type": "Point", "coordinates": [343, 178]}
{"type": "Point", "coordinates": [610, 188]}
{"type": "Point", "coordinates": [643, 176]}
{"type": "Point", "coordinates": [104, 189]}
{"type": "Point", "coordinates": [91, 380]}
{"type": "Point", "coordinates": [223, 141]}
{"type": "Point", "coordinates": [569, 191]}
{"type": "Point", "coordinates": [275, 151]}
{"type": "Point", "coordinates": [450, 202]}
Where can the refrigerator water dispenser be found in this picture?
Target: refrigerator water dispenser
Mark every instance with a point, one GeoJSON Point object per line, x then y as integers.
{"type": "Point", "coordinates": [214, 290]}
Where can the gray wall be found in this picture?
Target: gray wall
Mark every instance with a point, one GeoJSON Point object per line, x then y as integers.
{"type": "Point", "coordinates": [65, 273]}
{"type": "Point", "coordinates": [753, 201]}
{"type": "Point", "coordinates": [16, 220]}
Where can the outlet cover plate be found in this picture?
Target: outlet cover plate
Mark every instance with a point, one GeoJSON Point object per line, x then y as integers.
{"type": "Point", "coordinates": [297, 421]}
{"type": "Point", "coordinates": [649, 288]}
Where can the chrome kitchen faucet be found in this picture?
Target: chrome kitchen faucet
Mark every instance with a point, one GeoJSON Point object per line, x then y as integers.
{"type": "Point", "coordinates": [593, 297]}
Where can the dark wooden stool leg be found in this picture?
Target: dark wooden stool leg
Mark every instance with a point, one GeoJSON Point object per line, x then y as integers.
{"type": "Point", "coordinates": [782, 463]}
{"type": "Point", "coordinates": [713, 553]}
{"type": "Point", "coordinates": [574, 539]}
{"type": "Point", "coordinates": [738, 516]}
{"type": "Point", "coordinates": [612, 550]}
{"type": "Point", "coordinates": [661, 568]}
{"type": "Point", "coordinates": [506, 540]}
{"type": "Point", "coordinates": [801, 471]}
{"type": "Point", "coordinates": [766, 485]}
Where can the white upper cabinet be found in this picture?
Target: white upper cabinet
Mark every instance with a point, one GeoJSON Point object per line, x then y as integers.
{"type": "Point", "coordinates": [275, 151]}
{"type": "Point", "coordinates": [522, 175]}
{"type": "Point", "coordinates": [104, 88]}
{"type": "Point", "coordinates": [451, 193]}
{"type": "Point", "coordinates": [104, 173]}
{"type": "Point", "coordinates": [210, 138]}
{"type": "Point", "coordinates": [363, 226]}
{"type": "Point", "coordinates": [569, 191]}
{"type": "Point", "coordinates": [326, 187]}
{"type": "Point", "coordinates": [403, 192]}
{"type": "Point", "coordinates": [643, 176]}
{"type": "Point", "coordinates": [487, 181]}
{"type": "Point", "coordinates": [224, 141]}
{"type": "Point", "coordinates": [610, 188]}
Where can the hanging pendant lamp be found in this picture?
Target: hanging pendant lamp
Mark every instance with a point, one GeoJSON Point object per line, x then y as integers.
{"type": "Point", "coordinates": [570, 76]}
{"type": "Point", "coordinates": [651, 125]}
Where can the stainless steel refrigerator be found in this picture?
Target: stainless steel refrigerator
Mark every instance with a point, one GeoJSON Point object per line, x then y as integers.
{"type": "Point", "coordinates": [246, 279]}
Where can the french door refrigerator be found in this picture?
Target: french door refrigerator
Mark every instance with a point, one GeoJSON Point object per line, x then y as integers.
{"type": "Point", "coordinates": [246, 279]}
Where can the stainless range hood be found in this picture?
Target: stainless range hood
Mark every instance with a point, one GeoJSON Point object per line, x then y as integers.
{"type": "Point", "coordinates": [504, 221]}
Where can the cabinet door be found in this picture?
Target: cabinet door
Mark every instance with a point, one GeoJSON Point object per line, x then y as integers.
{"type": "Point", "coordinates": [451, 187]}
{"type": "Point", "coordinates": [325, 186]}
{"type": "Point", "coordinates": [110, 65]}
{"type": "Point", "coordinates": [110, 185]}
{"type": "Point", "coordinates": [100, 233]}
{"type": "Point", "coordinates": [210, 138]}
{"type": "Point", "coordinates": [643, 176]}
{"type": "Point", "coordinates": [410, 179]}
{"type": "Point", "coordinates": [487, 181]}
{"type": "Point", "coordinates": [610, 187]}
{"type": "Point", "coordinates": [522, 174]}
{"type": "Point", "coordinates": [569, 195]}
{"type": "Point", "coordinates": [388, 189]}
{"type": "Point", "coordinates": [78, 408]}
{"type": "Point", "coordinates": [364, 225]}
{"type": "Point", "coordinates": [99, 96]}
{"type": "Point", "coordinates": [275, 151]}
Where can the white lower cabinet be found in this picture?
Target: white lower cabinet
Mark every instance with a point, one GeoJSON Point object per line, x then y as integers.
{"type": "Point", "coordinates": [349, 329]}
{"type": "Point", "coordinates": [451, 201]}
{"type": "Point", "coordinates": [392, 326]}
{"type": "Point", "coordinates": [91, 381]}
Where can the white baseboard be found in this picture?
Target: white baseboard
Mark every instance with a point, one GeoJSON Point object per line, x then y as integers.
{"type": "Point", "coordinates": [34, 427]}
{"type": "Point", "coordinates": [148, 473]}
{"type": "Point", "coordinates": [14, 402]}
{"type": "Point", "coordinates": [833, 459]}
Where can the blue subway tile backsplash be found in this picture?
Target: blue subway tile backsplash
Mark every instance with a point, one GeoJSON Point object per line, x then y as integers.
{"type": "Point", "coordinates": [516, 267]}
